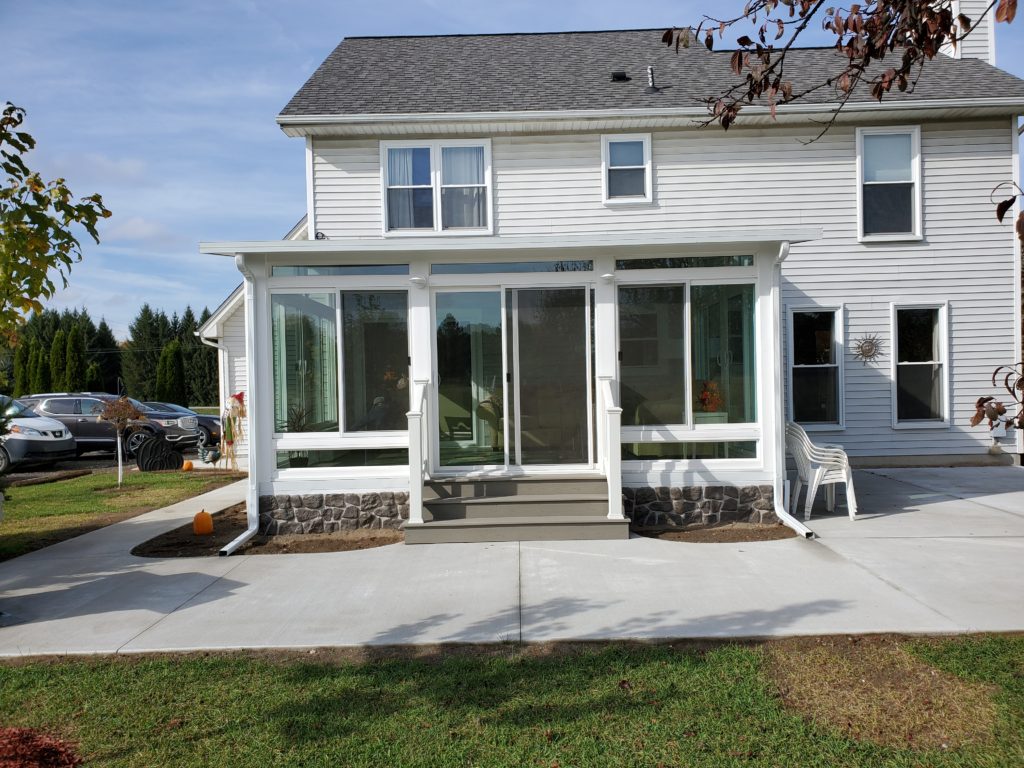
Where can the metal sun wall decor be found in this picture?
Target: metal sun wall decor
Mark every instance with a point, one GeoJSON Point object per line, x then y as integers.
{"type": "Point", "coordinates": [867, 348]}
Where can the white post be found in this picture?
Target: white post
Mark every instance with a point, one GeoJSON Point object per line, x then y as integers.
{"type": "Point", "coordinates": [416, 452]}
{"type": "Point", "coordinates": [120, 460]}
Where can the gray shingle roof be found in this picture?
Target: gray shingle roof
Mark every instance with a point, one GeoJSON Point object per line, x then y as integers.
{"type": "Point", "coordinates": [572, 70]}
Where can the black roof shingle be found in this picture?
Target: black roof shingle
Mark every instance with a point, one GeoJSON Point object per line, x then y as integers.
{"type": "Point", "coordinates": [572, 70]}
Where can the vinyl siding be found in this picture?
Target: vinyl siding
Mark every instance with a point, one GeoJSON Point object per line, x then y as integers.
{"type": "Point", "coordinates": [708, 179]}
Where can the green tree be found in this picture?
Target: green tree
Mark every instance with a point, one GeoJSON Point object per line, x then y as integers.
{"type": "Point", "coordinates": [40, 365]}
{"type": "Point", "coordinates": [107, 354]}
{"type": "Point", "coordinates": [58, 350]}
{"type": "Point", "coordinates": [94, 378]}
{"type": "Point", "coordinates": [207, 389]}
{"type": "Point", "coordinates": [140, 357]}
{"type": "Point", "coordinates": [74, 361]}
{"type": "Point", "coordinates": [22, 377]}
{"type": "Point", "coordinates": [170, 375]}
{"type": "Point", "coordinates": [37, 244]}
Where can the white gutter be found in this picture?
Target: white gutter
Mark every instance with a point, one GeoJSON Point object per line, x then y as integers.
{"type": "Point", "coordinates": [252, 498]}
{"type": "Point", "coordinates": [781, 481]}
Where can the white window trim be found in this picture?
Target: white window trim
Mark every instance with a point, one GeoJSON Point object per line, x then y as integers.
{"type": "Point", "coordinates": [915, 166]}
{"type": "Point", "coordinates": [435, 147]}
{"type": "Point", "coordinates": [839, 340]}
{"type": "Point", "coordinates": [943, 324]}
{"type": "Point", "coordinates": [648, 197]}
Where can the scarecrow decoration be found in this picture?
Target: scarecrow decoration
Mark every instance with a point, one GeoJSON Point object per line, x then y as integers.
{"type": "Point", "coordinates": [232, 429]}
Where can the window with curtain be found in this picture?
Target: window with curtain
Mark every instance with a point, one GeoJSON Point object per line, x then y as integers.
{"type": "Point", "coordinates": [814, 367]}
{"type": "Point", "coordinates": [627, 164]}
{"type": "Point", "coordinates": [305, 362]}
{"type": "Point", "coordinates": [724, 376]}
{"type": "Point", "coordinates": [437, 186]}
{"type": "Point", "coordinates": [919, 365]}
{"type": "Point", "coordinates": [889, 175]}
{"type": "Point", "coordinates": [410, 188]}
{"type": "Point", "coordinates": [375, 349]}
{"type": "Point", "coordinates": [463, 188]}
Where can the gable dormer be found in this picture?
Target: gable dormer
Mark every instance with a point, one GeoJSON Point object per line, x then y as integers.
{"type": "Point", "coordinates": [981, 42]}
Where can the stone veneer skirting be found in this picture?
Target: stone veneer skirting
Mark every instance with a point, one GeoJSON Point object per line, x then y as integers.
{"type": "Point", "coordinates": [666, 508]}
{"type": "Point", "coordinates": [327, 512]}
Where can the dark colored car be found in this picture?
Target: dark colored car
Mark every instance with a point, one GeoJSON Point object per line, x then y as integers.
{"type": "Point", "coordinates": [79, 412]}
{"type": "Point", "coordinates": [209, 426]}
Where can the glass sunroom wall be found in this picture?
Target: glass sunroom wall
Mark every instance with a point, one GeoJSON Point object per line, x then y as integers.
{"type": "Point", "coordinates": [375, 334]}
{"type": "Point", "coordinates": [305, 369]}
{"type": "Point", "coordinates": [652, 376]}
{"type": "Point", "coordinates": [723, 347]}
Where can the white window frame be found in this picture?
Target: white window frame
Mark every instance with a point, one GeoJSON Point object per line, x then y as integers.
{"type": "Point", "coordinates": [648, 166]}
{"type": "Point", "coordinates": [435, 146]}
{"type": "Point", "coordinates": [914, 131]}
{"type": "Point", "coordinates": [943, 329]}
{"type": "Point", "coordinates": [839, 342]}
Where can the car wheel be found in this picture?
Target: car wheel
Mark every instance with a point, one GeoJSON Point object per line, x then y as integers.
{"type": "Point", "coordinates": [134, 441]}
{"type": "Point", "coordinates": [205, 437]}
{"type": "Point", "coordinates": [5, 461]}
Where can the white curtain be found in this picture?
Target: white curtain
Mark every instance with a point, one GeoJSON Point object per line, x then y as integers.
{"type": "Point", "coordinates": [402, 172]}
{"type": "Point", "coordinates": [464, 205]}
{"type": "Point", "coordinates": [462, 165]}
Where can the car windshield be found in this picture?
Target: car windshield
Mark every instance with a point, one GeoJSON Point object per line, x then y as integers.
{"type": "Point", "coordinates": [168, 407]}
{"type": "Point", "coordinates": [140, 406]}
{"type": "Point", "coordinates": [14, 410]}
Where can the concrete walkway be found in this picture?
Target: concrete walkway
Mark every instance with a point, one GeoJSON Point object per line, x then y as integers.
{"type": "Point", "coordinates": [937, 550]}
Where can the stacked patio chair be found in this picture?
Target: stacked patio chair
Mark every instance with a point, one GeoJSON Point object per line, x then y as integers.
{"type": "Point", "coordinates": [818, 465]}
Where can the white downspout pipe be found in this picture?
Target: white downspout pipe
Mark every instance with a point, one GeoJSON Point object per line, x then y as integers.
{"type": "Point", "coordinates": [252, 497]}
{"type": "Point", "coordinates": [781, 481]}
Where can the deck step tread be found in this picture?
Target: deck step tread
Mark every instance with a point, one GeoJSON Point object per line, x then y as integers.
{"type": "Point", "coordinates": [474, 522]}
{"type": "Point", "coordinates": [524, 498]}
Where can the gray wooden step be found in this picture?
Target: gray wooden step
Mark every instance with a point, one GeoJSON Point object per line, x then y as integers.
{"type": "Point", "coordinates": [530, 528]}
{"type": "Point", "coordinates": [590, 505]}
{"type": "Point", "coordinates": [442, 488]}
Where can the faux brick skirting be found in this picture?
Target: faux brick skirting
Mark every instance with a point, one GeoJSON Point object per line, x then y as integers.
{"type": "Point", "coordinates": [666, 508]}
{"type": "Point", "coordinates": [327, 512]}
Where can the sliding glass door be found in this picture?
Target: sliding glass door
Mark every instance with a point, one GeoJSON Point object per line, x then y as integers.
{"type": "Point", "coordinates": [513, 377]}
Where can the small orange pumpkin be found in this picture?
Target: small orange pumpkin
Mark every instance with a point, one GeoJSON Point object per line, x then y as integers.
{"type": "Point", "coordinates": [186, 467]}
{"type": "Point", "coordinates": [202, 523]}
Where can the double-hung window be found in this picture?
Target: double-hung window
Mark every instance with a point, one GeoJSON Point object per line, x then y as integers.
{"type": "Point", "coordinates": [436, 186]}
{"type": "Point", "coordinates": [919, 362]}
{"type": "Point", "coordinates": [815, 382]}
{"type": "Point", "coordinates": [889, 181]}
{"type": "Point", "coordinates": [626, 161]}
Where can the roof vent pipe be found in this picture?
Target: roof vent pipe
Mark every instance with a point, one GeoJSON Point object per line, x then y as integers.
{"type": "Point", "coordinates": [651, 87]}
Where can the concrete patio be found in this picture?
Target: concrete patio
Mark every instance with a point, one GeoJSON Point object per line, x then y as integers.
{"type": "Point", "coordinates": [935, 551]}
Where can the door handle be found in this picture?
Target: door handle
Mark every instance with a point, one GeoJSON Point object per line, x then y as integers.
{"type": "Point", "coordinates": [81, 420]}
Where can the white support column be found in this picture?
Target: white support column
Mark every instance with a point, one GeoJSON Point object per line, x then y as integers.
{"type": "Point", "coordinates": [605, 351]}
{"type": "Point", "coordinates": [421, 347]}
{"type": "Point", "coordinates": [772, 383]}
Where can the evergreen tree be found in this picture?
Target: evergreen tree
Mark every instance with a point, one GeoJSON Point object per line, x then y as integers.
{"type": "Point", "coordinates": [40, 365]}
{"type": "Point", "coordinates": [170, 375]}
{"type": "Point", "coordinates": [22, 375]}
{"type": "Point", "coordinates": [141, 354]}
{"type": "Point", "coordinates": [74, 360]}
{"type": "Point", "coordinates": [207, 374]}
{"type": "Point", "coordinates": [94, 378]}
{"type": "Point", "coordinates": [107, 354]}
{"type": "Point", "coordinates": [58, 347]}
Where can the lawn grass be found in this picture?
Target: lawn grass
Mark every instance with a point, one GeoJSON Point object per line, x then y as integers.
{"type": "Point", "coordinates": [610, 705]}
{"type": "Point", "coordinates": [37, 516]}
{"type": "Point", "coordinates": [206, 410]}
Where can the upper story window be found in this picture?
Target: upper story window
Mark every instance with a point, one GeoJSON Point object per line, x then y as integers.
{"type": "Point", "coordinates": [626, 162]}
{"type": "Point", "coordinates": [889, 179]}
{"type": "Point", "coordinates": [436, 186]}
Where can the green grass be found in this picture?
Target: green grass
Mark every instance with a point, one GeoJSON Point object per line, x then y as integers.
{"type": "Point", "coordinates": [37, 516]}
{"type": "Point", "coordinates": [618, 705]}
{"type": "Point", "coordinates": [207, 410]}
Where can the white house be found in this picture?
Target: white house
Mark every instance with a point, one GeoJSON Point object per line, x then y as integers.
{"type": "Point", "coordinates": [536, 299]}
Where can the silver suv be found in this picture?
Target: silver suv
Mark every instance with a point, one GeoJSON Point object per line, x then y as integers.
{"type": "Point", "coordinates": [79, 412]}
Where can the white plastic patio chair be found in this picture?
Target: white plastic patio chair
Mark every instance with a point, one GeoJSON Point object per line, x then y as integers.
{"type": "Point", "coordinates": [818, 465]}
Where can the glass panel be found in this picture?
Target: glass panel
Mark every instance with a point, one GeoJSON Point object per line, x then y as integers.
{"type": "Point", "coordinates": [470, 378]}
{"type": "Point", "coordinates": [813, 337]}
{"type": "Point", "coordinates": [888, 209]}
{"type": "Point", "coordinates": [410, 209]}
{"type": "Point", "coordinates": [626, 182]}
{"type": "Point", "coordinates": [724, 377]}
{"type": "Point", "coordinates": [375, 332]}
{"type": "Point", "coordinates": [463, 207]}
{"type": "Point", "coordinates": [305, 347]}
{"type": "Point", "coordinates": [917, 332]}
{"type": "Point", "coordinates": [734, 449]}
{"type": "Point", "coordinates": [652, 368]}
{"type": "Point", "coordinates": [815, 395]}
{"type": "Point", "coordinates": [625, 153]}
{"type": "Point", "coordinates": [918, 392]}
{"type": "Point", "coordinates": [61, 406]}
{"type": "Point", "coordinates": [552, 375]}
{"type": "Point", "coordinates": [494, 267]}
{"type": "Point", "coordinates": [358, 457]}
{"type": "Point", "coordinates": [409, 167]}
{"type": "Point", "coordinates": [340, 269]}
{"type": "Point", "coordinates": [887, 157]}
{"type": "Point", "coordinates": [462, 165]}
{"type": "Point", "coordinates": [686, 262]}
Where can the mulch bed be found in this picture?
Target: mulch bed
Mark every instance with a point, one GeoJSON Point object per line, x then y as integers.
{"type": "Point", "coordinates": [43, 478]}
{"type": "Point", "coordinates": [231, 522]}
{"type": "Point", "coordinates": [28, 748]}
{"type": "Point", "coordinates": [729, 533]}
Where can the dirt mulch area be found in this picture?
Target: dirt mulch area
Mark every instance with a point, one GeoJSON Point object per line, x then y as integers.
{"type": "Point", "coordinates": [871, 689]}
{"type": "Point", "coordinates": [728, 533]}
{"type": "Point", "coordinates": [231, 522]}
{"type": "Point", "coordinates": [28, 748]}
{"type": "Point", "coordinates": [49, 477]}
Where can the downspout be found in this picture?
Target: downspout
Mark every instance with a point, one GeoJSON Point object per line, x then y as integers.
{"type": "Point", "coordinates": [252, 497]}
{"type": "Point", "coordinates": [781, 481]}
{"type": "Point", "coordinates": [222, 374]}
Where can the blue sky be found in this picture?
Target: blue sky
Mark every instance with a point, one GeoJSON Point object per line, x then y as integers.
{"type": "Point", "coordinates": [167, 109]}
